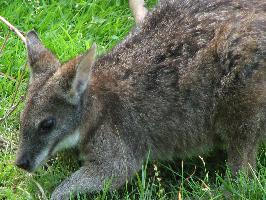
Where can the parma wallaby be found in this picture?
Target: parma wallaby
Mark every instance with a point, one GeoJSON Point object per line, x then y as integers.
{"type": "Point", "coordinates": [190, 78]}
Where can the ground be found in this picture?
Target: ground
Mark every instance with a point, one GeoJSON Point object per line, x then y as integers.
{"type": "Point", "coordinates": [69, 28]}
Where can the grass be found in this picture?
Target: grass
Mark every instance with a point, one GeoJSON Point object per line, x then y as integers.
{"type": "Point", "coordinates": [69, 28]}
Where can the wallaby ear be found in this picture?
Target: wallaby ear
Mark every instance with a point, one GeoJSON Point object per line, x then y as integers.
{"type": "Point", "coordinates": [81, 79]}
{"type": "Point", "coordinates": [41, 60]}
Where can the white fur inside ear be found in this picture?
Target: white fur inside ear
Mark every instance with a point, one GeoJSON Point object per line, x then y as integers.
{"type": "Point", "coordinates": [80, 82]}
{"type": "Point", "coordinates": [68, 142]}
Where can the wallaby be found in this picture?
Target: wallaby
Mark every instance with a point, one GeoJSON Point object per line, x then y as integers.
{"type": "Point", "coordinates": [189, 79]}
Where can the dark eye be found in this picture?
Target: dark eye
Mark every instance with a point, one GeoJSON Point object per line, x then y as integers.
{"type": "Point", "coordinates": [47, 124]}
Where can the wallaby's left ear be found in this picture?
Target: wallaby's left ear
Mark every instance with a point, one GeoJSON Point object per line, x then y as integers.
{"type": "Point", "coordinates": [42, 60]}
{"type": "Point", "coordinates": [80, 82]}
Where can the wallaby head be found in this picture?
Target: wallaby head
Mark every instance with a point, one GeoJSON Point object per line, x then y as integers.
{"type": "Point", "coordinates": [49, 121]}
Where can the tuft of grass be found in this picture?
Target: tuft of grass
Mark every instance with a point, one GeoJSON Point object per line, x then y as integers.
{"type": "Point", "coordinates": [68, 28]}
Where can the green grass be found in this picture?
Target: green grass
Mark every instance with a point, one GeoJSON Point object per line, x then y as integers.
{"type": "Point", "coordinates": [69, 28]}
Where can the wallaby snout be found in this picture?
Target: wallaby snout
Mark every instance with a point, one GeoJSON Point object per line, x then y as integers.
{"type": "Point", "coordinates": [24, 162]}
{"type": "Point", "coordinates": [31, 157]}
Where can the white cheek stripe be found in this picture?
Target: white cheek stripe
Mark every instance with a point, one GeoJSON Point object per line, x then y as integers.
{"type": "Point", "coordinates": [41, 157]}
{"type": "Point", "coordinates": [68, 142]}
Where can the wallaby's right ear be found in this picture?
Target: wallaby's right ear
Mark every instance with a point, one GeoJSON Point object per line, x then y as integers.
{"type": "Point", "coordinates": [41, 60]}
{"type": "Point", "coordinates": [82, 76]}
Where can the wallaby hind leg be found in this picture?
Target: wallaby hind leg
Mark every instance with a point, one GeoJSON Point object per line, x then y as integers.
{"type": "Point", "coordinates": [138, 9]}
{"type": "Point", "coordinates": [242, 156]}
{"type": "Point", "coordinates": [244, 138]}
{"type": "Point", "coordinates": [246, 125]}
{"type": "Point", "coordinates": [242, 108]}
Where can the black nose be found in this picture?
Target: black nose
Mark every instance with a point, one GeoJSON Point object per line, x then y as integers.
{"type": "Point", "coordinates": [24, 162]}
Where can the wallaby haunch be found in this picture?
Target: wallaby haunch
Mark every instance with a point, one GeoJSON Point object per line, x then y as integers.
{"type": "Point", "coordinates": [190, 78]}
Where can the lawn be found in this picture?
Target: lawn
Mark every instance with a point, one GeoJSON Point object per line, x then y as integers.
{"type": "Point", "coordinates": [69, 28]}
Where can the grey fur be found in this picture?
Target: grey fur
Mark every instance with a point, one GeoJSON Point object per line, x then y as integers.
{"type": "Point", "coordinates": [190, 78]}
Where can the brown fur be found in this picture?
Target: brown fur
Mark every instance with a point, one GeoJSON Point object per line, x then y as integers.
{"type": "Point", "coordinates": [189, 79]}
